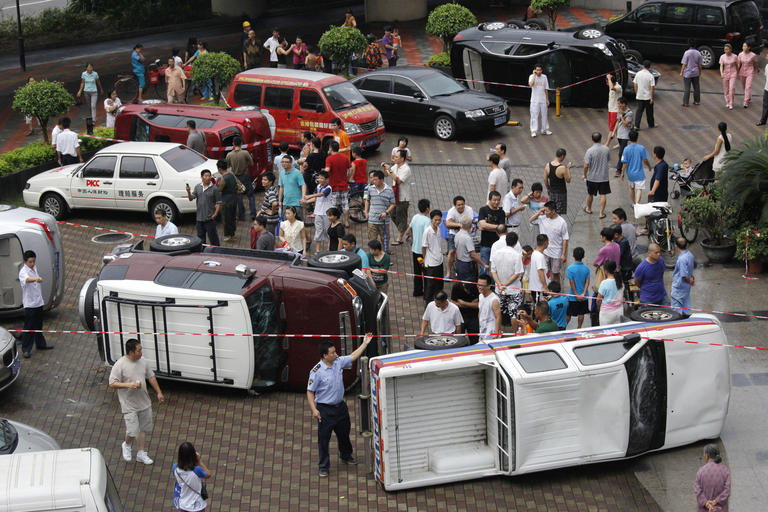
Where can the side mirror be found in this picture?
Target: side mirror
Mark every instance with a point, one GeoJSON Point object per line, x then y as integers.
{"type": "Point", "coordinates": [320, 108]}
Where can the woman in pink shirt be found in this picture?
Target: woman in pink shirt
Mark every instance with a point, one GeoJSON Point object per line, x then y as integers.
{"type": "Point", "coordinates": [299, 52]}
{"type": "Point", "coordinates": [713, 482]}
{"type": "Point", "coordinates": [729, 70]}
{"type": "Point", "coordinates": [747, 70]}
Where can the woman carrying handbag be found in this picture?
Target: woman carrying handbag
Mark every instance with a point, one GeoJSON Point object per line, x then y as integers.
{"type": "Point", "coordinates": [189, 491]}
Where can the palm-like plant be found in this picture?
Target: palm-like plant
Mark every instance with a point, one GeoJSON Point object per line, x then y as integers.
{"type": "Point", "coordinates": [745, 179]}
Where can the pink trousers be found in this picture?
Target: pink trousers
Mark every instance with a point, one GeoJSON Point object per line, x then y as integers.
{"type": "Point", "coordinates": [729, 88]}
{"type": "Point", "coordinates": [746, 83]}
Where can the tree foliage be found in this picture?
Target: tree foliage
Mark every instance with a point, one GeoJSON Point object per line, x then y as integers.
{"type": "Point", "coordinates": [551, 8]}
{"type": "Point", "coordinates": [340, 43]}
{"type": "Point", "coordinates": [745, 179]}
{"type": "Point", "coordinates": [219, 67]}
{"type": "Point", "coordinates": [42, 100]}
{"type": "Point", "coordinates": [447, 20]}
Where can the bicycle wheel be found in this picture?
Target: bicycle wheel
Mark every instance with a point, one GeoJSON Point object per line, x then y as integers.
{"type": "Point", "coordinates": [356, 208]}
{"type": "Point", "coordinates": [660, 235]}
{"type": "Point", "coordinates": [687, 229]}
{"type": "Point", "coordinates": [127, 89]}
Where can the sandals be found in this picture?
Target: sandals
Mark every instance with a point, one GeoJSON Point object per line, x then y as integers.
{"type": "Point", "coordinates": [397, 242]}
{"type": "Point", "coordinates": [588, 211]}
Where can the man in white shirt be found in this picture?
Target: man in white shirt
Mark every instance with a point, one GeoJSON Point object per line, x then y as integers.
{"type": "Point", "coordinates": [645, 87]}
{"type": "Point", "coordinates": [32, 300]}
{"type": "Point", "coordinates": [539, 100]}
{"type": "Point", "coordinates": [556, 229]}
{"type": "Point", "coordinates": [507, 269]}
{"type": "Point", "coordinates": [164, 226]}
{"type": "Point", "coordinates": [400, 173]}
{"type": "Point", "coordinates": [432, 253]}
{"type": "Point", "coordinates": [271, 44]}
{"type": "Point", "coordinates": [489, 310]}
{"type": "Point", "coordinates": [505, 163]}
{"type": "Point", "coordinates": [537, 278]}
{"type": "Point", "coordinates": [497, 179]}
{"type": "Point", "coordinates": [512, 205]}
{"type": "Point", "coordinates": [67, 144]}
{"type": "Point", "coordinates": [453, 223]}
{"type": "Point", "coordinates": [56, 131]}
{"type": "Point", "coordinates": [442, 316]}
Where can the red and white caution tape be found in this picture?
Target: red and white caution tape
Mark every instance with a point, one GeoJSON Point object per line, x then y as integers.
{"type": "Point", "coordinates": [528, 86]}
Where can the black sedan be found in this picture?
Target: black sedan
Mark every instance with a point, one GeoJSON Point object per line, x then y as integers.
{"type": "Point", "coordinates": [419, 97]}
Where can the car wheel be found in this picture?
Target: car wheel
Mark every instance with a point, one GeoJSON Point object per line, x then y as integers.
{"type": "Point", "coordinates": [655, 314]}
{"type": "Point", "coordinates": [622, 45]}
{"type": "Point", "coordinates": [515, 24]}
{"type": "Point", "coordinates": [445, 128]}
{"type": "Point", "coordinates": [633, 56]}
{"type": "Point", "coordinates": [85, 304]}
{"type": "Point", "coordinates": [337, 260]}
{"type": "Point", "coordinates": [179, 242]}
{"type": "Point", "coordinates": [167, 206]}
{"type": "Point", "coordinates": [535, 24]}
{"type": "Point", "coordinates": [493, 25]}
{"type": "Point", "coordinates": [589, 33]}
{"type": "Point", "coordinates": [707, 57]}
{"type": "Point", "coordinates": [436, 342]}
{"type": "Point", "coordinates": [55, 205]}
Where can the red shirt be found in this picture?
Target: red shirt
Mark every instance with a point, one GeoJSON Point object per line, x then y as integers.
{"type": "Point", "coordinates": [338, 165]}
{"type": "Point", "coordinates": [361, 170]}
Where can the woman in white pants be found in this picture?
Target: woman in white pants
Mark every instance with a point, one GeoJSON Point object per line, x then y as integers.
{"type": "Point", "coordinates": [91, 86]}
{"type": "Point", "coordinates": [609, 298]}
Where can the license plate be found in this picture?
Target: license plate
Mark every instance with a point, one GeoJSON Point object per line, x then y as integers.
{"type": "Point", "coordinates": [500, 120]}
{"type": "Point", "coordinates": [370, 142]}
{"type": "Point", "coordinates": [15, 366]}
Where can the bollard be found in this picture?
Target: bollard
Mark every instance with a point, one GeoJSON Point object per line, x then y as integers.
{"type": "Point", "coordinates": [557, 102]}
{"type": "Point", "coordinates": [89, 126]}
{"type": "Point", "coordinates": [365, 413]}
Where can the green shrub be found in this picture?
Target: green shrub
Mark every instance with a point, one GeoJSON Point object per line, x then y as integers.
{"type": "Point", "coordinates": [447, 20]}
{"type": "Point", "coordinates": [88, 144]}
{"type": "Point", "coordinates": [340, 43]}
{"type": "Point", "coordinates": [551, 8]}
{"type": "Point", "coordinates": [36, 153]}
{"type": "Point", "coordinates": [758, 245]}
{"type": "Point", "coordinates": [42, 100]}
{"type": "Point", "coordinates": [441, 59]}
{"type": "Point", "coordinates": [219, 67]}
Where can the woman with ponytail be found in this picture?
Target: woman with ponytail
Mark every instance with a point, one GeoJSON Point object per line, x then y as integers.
{"type": "Point", "coordinates": [722, 147]}
{"type": "Point", "coordinates": [609, 297]}
{"type": "Point", "coordinates": [713, 482]}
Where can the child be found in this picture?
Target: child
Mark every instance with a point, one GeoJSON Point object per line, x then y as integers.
{"type": "Point", "coordinates": [659, 190]}
{"type": "Point", "coordinates": [335, 230]}
{"type": "Point", "coordinates": [378, 261]}
{"type": "Point", "coordinates": [558, 305]}
{"type": "Point", "coordinates": [402, 143]}
{"type": "Point", "coordinates": [536, 198]}
{"type": "Point", "coordinates": [686, 168]}
{"type": "Point", "coordinates": [396, 43]}
{"type": "Point", "coordinates": [358, 171]}
{"type": "Point", "coordinates": [527, 253]}
{"type": "Point", "coordinates": [322, 200]}
{"type": "Point", "coordinates": [269, 207]}
{"type": "Point", "coordinates": [578, 277]}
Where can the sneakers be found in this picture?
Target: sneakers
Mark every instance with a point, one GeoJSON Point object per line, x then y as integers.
{"type": "Point", "coordinates": [142, 457]}
{"type": "Point", "coordinates": [533, 135]}
{"type": "Point", "coordinates": [546, 132]}
{"type": "Point", "coordinates": [126, 452]}
{"type": "Point", "coordinates": [323, 472]}
{"type": "Point", "coordinates": [350, 461]}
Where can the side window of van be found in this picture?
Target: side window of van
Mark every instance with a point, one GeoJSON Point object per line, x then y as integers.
{"type": "Point", "coordinates": [248, 94]}
{"type": "Point", "coordinates": [545, 361]}
{"type": "Point", "coordinates": [706, 15]}
{"type": "Point", "coordinates": [310, 100]}
{"type": "Point", "coordinates": [679, 13]}
{"type": "Point", "coordinates": [649, 13]}
{"type": "Point", "coordinates": [278, 97]}
{"type": "Point", "coordinates": [137, 167]}
{"type": "Point", "coordinates": [139, 130]}
{"type": "Point", "coordinates": [100, 167]}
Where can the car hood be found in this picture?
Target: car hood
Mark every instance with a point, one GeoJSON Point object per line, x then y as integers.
{"type": "Point", "coordinates": [468, 100]}
{"type": "Point", "coordinates": [54, 175]}
{"type": "Point", "coordinates": [33, 440]}
{"type": "Point", "coordinates": [192, 176]}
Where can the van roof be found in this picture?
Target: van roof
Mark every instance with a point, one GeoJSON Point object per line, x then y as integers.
{"type": "Point", "coordinates": [49, 480]}
{"type": "Point", "coordinates": [290, 74]}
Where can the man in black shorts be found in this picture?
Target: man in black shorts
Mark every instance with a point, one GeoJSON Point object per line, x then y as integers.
{"type": "Point", "coordinates": [596, 172]}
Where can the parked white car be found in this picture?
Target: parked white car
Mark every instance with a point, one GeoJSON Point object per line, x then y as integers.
{"type": "Point", "coordinates": [546, 401]}
{"type": "Point", "coordinates": [11, 363]}
{"type": "Point", "coordinates": [138, 176]}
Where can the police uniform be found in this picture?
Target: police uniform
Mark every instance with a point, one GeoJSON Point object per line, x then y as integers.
{"type": "Point", "coordinates": [327, 383]}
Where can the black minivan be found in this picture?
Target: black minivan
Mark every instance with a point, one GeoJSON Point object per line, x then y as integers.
{"type": "Point", "coordinates": [662, 28]}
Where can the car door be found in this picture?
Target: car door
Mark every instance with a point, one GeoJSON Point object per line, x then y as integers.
{"type": "Point", "coordinates": [311, 111]}
{"type": "Point", "coordinates": [137, 179]}
{"type": "Point", "coordinates": [378, 90]}
{"type": "Point", "coordinates": [677, 26]}
{"type": "Point", "coordinates": [93, 186]}
{"type": "Point", "coordinates": [640, 29]}
{"type": "Point", "coordinates": [411, 103]}
{"type": "Point", "coordinates": [11, 260]}
{"type": "Point", "coordinates": [279, 102]}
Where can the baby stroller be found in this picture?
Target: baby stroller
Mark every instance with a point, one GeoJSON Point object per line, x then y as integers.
{"type": "Point", "coordinates": [701, 175]}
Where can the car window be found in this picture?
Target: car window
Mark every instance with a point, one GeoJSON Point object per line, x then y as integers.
{"type": "Point", "coordinates": [529, 49]}
{"type": "Point", "coordinates": [181, 158]}
{"type": "Point", "coordinates": [8, 437]}
{"type": "Point", "coordinates": [343, 95]}
{"type": "Point", "coordinates": [376, 84]}
{"type": "Point", "coordinates": [438, 84]}
{"type": "Point", "coordinates": [706, 15]}
{"type": "Point", "coordinates": [309, 100]}
{"type": "Point", "coordinates": [247, 94]}
{"type": "Point", "coordinates": [746, 13]}
{"type": "Point", "coordinates": [100, 167]}
{"type": "Point", "coordinates": [678, 13]}
{"type": "Point", "coordinates": [541, 361]}
{"type": "Point", "coordinates": [177, 121]}
{"type": "Point", "coordinates": [405, 87]}
{"type": "Point", "coordinates": [139, 130]}
{"type": "Point", "coordinates": [137, 167]}
{"type": "Point", "coordinates": [278, 97]}
{"type": "Point", "coordinates": [649, 13]}
{"type": "Point", "coordinates": [498, 47]}
{"type": "Point", "coordinates": [601, 352]}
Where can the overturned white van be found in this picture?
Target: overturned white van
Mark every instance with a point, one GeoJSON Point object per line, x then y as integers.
{"type": "Point", "coordinates": [545, 401]}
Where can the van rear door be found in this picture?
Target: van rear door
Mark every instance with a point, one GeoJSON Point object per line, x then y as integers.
{"type": "Point", "coordinates": [280, 103]}
{"type": "Point", "coordinates": [11, 260]}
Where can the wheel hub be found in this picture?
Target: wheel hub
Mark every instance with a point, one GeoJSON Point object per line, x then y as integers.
{"type": "Point", "coordinates": [334, 258]}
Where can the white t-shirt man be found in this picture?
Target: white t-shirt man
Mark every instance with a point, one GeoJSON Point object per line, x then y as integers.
{"type": "Point", "coordinates": [538, 262]}
{"type": "Point", "coordinates": [67, 142]}
{"type": "Point", "coordinates": [556, 230]}
{"type": "Point", "coordinates": [486, 316]}
{"type": "Point", "coordinates": [169, 229]}
{"type": "Point", "coordinates": [55, 132]}
{"type": "Point", "coordinates": [434, 253]}
{"type": "Point", "coordinates": [403, 172]}
{"type": "Point", "coordinates": [31, 293]}
{"type": "Point", "coordinates": [501, 243]}
{"type": "Point", "coordinates": [539, 89]}
{"type": "Point", "coordinates": [442, 321]}
{"type": "Point", "coordinates": [511, 202]}
{"type": "Point", "coordinates": [455, 216]}
{"type": "Point", "coordinates": [271, 44]}
{"type": "Point", "coordinates": [644, 80]}
{"type": "Point", "coordinates": [498, 178]}
{"type": "Point", "coordinates": [506, 263]}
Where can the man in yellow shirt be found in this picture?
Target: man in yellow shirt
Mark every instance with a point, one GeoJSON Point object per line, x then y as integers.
{"type": "Point", "coordinates": [341, 137]}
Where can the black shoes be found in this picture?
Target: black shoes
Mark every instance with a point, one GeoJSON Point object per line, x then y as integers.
{"type": "Point", "coordinates": [47, 347]}
{"type": "Point", "coordinates": [350, 461]}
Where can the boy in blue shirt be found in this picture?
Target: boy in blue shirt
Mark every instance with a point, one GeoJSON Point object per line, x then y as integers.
{"type": "Point", "coordinates": [558, 305]}
{"type": "Point", "coordinates": [578, 277]}
{"type": "Point", "coordinates": [633, 158]}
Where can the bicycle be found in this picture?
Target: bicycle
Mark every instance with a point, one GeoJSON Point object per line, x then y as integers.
{"type": "Point", "coordinates": [127, 85]}
{"type": "Point", "coordinates": [356, 204]}
{"type": "Point", "coordinates": [660, 229]}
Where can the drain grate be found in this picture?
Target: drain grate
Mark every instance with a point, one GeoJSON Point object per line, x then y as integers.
{"type": "Point", "coordinates": [112, 238]}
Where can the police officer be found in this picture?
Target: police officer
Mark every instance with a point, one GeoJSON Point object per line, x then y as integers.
{"type": "Point", "coordinates": [325, 394]}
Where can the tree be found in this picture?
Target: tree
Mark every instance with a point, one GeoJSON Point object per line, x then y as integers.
{"type": "Point", "coordinates": [340, 43]}
{"type": "Point", "coordinates": [550, 8]}
{"type": "Point", "coordinates": [745, 179]}
{"type": "Point", "coordinates": [219, 67]}
{"type": "Point", "coordinates": [42, 100]}
{"type": "Point", "coordinates": [447, 20]}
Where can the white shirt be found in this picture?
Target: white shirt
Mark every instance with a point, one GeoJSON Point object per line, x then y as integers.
{"type": "Point", "coordinates": [31, 293]}
{"type": "Point", "coordinates": [403, 189]}
{"type": "Point", "coordinates": [442, 321]}
{"type": "Point", "coordinates": [499, 178]}
{"type": "Point", "coordinates": [486, 316]}
{"type": "Point", "coordinates": [56, 130]}
{"type": "Point", "coordinates": [169, 229]}
{"type": "Point", "coordinates": [178, 61]}
{"type": "Point", "coordinates": [613, 97]}
{"type": "Point", "coordinates": [501, 243]}
{"type": "Point", "coordinates": [455, 216]}
{"type": "Point", "coordinates": [556, 230]}
{"type": "Point", "coordinates": [538, 261]}
{"type": "Point", "coordinates": [506, 263]}
{"type": "Point", "coordinates": [272, 44]}
{"type": "Point", "coordinates": [67, 142]}
{"type": "Point", "coordinates": [539, 89]}
{"type": "Point", "coordinates": [434, 254]}
{"type": "Point", "coordinates": [509, 203]}
{"type": "Point", "coordinates": [644, 80]}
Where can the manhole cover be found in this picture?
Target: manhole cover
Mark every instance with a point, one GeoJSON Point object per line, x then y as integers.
{"type": "Point", "coordinates": [112, 238]}
{"type": "Point", "coordinates": [695, 127]}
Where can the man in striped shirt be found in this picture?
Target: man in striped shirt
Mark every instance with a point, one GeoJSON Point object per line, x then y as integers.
{"type": "Point", "coordinates": [379, 203]}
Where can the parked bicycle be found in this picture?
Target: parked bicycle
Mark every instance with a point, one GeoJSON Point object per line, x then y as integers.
{"type": "Point", "coordinates": [127, 85]}
{"type": "Point", "coordinates": [660, 228]}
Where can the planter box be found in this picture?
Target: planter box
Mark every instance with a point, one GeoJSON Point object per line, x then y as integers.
{"type": "Point", "coordinates": [719, 254]}
{"type": "Point", "coordinates": [11, 185]}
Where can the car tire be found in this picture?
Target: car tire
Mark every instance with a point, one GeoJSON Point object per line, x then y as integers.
{"type": "Point", "coordinates": [493, 25]}
{"type": "Point", "coordinates": [589, 33]}
{"type": "Point", "coordinates": [178, 242]}
{"type": "Point", "coordinates": [633, 56]}
{"type": "Point", "coordinates": [654, 314]}
{"type": "Point", "coordinates": [444, 128]}
{"type": "Point", "coordinates": [168, 207]}
{"type": "Point", "coordinates": [515, 24]}
{"type": "Point", "coordinates": [85, 304]}
{"type": "Point", "coordinates": [707, 57]}
{"type": "Point", "coordinates": [436, 342]}
{"type": "Point", "coordinates": [336, 260]}
{"type": "Point", "coordinates": [535, 24]}
{"type": "Point", "coordinates": [55, 205]}
{"type": "Point", "coordinates": [623, 45]}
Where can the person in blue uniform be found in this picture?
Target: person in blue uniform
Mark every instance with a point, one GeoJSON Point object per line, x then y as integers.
{"type": "Point", "coordinates": [325, 394]}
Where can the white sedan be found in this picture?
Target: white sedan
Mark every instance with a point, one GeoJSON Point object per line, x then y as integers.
{"type": "Point", "coordinates": [138, 176]}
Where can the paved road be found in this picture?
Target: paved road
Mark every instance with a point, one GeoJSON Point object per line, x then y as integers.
{"type": "Point", "coordinates": [28, 7]}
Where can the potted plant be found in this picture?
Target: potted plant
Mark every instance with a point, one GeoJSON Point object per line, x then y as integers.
{"type": "Point", "coordinates": [441, 61]}
{"type": "Point", "coordinates": [711, 215]}
{"type": "Point", "coordinates": [756, 251]}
